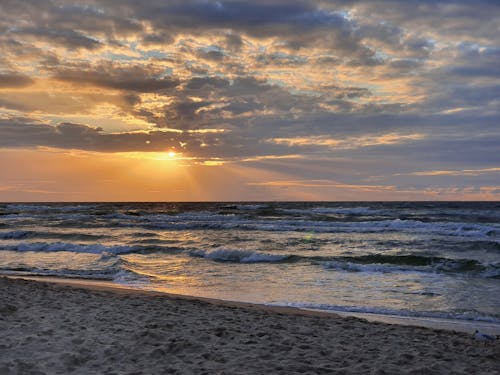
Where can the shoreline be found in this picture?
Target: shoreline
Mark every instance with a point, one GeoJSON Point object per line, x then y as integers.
{"type": "Point", "coordinates": [453, 325]}
{"type": "Point", "coordinates": [55, 328]}
{"type": "Point", "coordinates": [109, 286]}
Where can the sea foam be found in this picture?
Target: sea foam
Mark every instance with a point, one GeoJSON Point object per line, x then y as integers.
{"type": "Point", "coordinates": [239, 256]}
{"type": "Point", "coordinates": [71, 247]}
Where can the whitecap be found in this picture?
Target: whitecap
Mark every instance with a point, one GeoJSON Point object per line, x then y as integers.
{"type": "Point", "coordinates": [236, 255]}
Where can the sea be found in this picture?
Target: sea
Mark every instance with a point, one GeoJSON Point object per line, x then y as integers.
{"type": "Point", "coordinates": [434, 260]}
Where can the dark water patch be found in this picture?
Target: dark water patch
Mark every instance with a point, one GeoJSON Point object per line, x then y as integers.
{"type": "Point", "coordinates": [151, 249]}
{"type": "Point", "coordinates": [90, 224]}
{"type": "Point", "coordinates": [147, 241]}
{"type": "Point", "coordinates": [410, 263]}
{"type": "Point", "coordinates": [487, 246]}
{"type": "Point", "coordinates": [20, 234]}
{"type": "Point", "coordinates": [144, 234]}
{"type": "Point", "coordinates": [419, 293]}
{"type": "Point", "coordinates": [15, 235]}
{"type": "Point", "coordinates": [441, 245]}
{"type": "Point", "coordinates": [407, 260]}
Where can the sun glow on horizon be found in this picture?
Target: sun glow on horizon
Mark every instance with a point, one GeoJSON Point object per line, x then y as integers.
{"type": "Point", "coordinates": [156, 156]}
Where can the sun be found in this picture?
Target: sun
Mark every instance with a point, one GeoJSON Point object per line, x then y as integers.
{"type": "Point", "coordinates": [172, 154]}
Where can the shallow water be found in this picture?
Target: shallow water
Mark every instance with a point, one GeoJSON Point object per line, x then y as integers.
{"type": "Point", "coordinates": [437, 260]}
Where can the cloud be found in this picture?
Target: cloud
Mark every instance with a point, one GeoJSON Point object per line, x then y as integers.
{"type": "Point", "coordinates": [114, 76]}
{"type": "Point", "coordinates": [210, 54]}
{"type": "Point", "coordinates": [348, 143]}
{"type": "Point", "coordinates": [280, 59]}
{"type": "Point", "coordinates": [451, 19]}
{"type": "Point", "coordinates": [413, 84]}
{"type": "Point", "coordinates": [68, 38]}
{"type": "Point", "coordinates": [464, 172]}
{"type": "Point", "coordinates": [233, 42]}
{"type": "Point", "coordinates": [473, 61]}
{"type": "Point", "coordinates": [57, 103]}
{"type": "Point", "coordinates": [23, 132]}
{"type": "Point", "coordinates": [298, 24]}
{"type": "Point", "coordinates": [14, 80]}
{"type": "Point", "coordinates": [65, 23]}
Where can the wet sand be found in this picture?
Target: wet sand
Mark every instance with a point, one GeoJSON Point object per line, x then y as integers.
{"type": "Point", "coordinates": [50, 328]}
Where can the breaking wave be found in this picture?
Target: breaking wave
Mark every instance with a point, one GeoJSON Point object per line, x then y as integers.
{"type": "Point", "coordinates": [71, 247]}
{"type": "Point", "coordinates": [238, 256]}
{"type": "Point", "coordinates": [411, 263]}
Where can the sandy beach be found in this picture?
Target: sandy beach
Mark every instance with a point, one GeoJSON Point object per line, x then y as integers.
{"type": "Point", "coordinates": [51, 328]}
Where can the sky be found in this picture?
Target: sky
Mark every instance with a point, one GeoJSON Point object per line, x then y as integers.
{"type": "Point", "coordinates": [198, 100]}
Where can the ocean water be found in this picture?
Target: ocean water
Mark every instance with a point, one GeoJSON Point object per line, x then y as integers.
{"type": "Point", "coordinates": [437, 260]}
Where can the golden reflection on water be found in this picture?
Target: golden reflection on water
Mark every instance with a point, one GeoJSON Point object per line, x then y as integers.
{"type": "Point", "coordinates": [164, 270]}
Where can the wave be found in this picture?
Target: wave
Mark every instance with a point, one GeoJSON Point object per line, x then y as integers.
{"type": "Point", "coordinates": [37, 208]}
{"type": "Point", "coordinates": [94, 248]}
{"type": "Point", "coordinates": [365, 263]}
{"type": "Point", "coordinates": [362, 211]}
{"type": "Point", "coordinates": [411, 263]}
{"type": "Point", "coordinates": [469, 315]}
{"type": "Point", "coordinates": [22, 234]}
{"type": "Point", "coordinates": [226, 222]}
{"type": "Point", "coordinates": [128, 277]}
{"type": "Point", "coordinates": [15, 235]}
{"type": "Point", "coordinates": [118, 275]}
{"type": "Point", "coordinates": [382, 268]}
{"type": "Point", "coordinates": [315, 219]}
{"type": "Point", "coordinates": [251, 207]}
{"type": "Point", "coordinates": [100, 274]}
{"type": "Point", "coordinates": [71, 247]}
{"type": "Point", "coordinates": [238, 256]}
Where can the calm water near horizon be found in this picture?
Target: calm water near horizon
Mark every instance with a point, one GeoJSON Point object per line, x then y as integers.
{"type": "Point", "coordinates": [437, 260]}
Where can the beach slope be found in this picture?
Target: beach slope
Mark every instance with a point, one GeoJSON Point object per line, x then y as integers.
{"type": "Point", "coordinates": [58, 329]}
